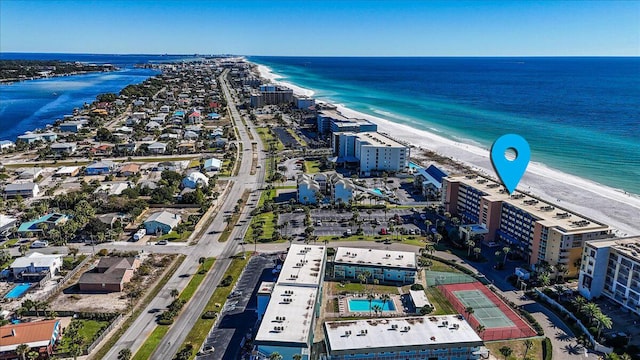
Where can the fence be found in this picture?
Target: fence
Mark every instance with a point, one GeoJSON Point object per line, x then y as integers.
{"type": "Point", "coordinates": [62, 282]}
{"type": "Point", "coordinates": [97, 341]}
{"type": "Point", "coordinates": [520, 329]}
{"type": "Point", "coordinates": [596, 345]}
{"type": "Point", "coordinates": [445, 278]}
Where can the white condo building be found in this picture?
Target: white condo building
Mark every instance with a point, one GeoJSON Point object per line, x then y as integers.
{"type": "Point", "coordinates": [419, 337]}
{"type": "Point", "coordinates": [611, 268]}
{"type": "Point", "coordinates": [386, 266]}
{"type": "Point", "coordinates": [293, 305]}
{"type": "Point", "coordinates": [374, 152]}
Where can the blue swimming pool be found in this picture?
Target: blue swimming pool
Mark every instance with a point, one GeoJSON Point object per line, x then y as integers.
{"type": "Point", "coordinates": [18, 291]}
{"type": "Point", "coordinates": [363, 305]}
{"type": "Point", "coordinates": [377, 191]}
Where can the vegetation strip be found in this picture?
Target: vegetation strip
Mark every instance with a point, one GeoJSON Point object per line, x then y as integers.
{"type": "Point", "coordinates": [106, 347]}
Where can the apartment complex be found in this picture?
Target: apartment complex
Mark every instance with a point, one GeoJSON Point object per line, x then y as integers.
{"type": "Point", "coordinates": [332, 186]}
{"type": "Point", "coordinates": [386, 266]}
{"type": "Point", "coordinates": [611, 268]}
{"type": "Point", "coordinates": [538, 230]}
{"type": "Point", "coordinates": [420, 337]}
{"type": "Point", "coordinates": [292, 305]}
{"type": "Point", "coordinates": [271, 94]}
{"type": "Point", "coordinates": [332, 121]}
{"type": "Point", "coordinates": [371, 151]}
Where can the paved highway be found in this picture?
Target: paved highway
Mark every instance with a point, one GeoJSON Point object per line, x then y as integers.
{"type": "Point", "coordinates": [207, 246]}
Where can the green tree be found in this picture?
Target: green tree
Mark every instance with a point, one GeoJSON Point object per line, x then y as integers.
{"type": "Point", "coordinates": [124, 354]}
{"type": "Point", "coordinates": [275, 356]}
{"type": "Point", "coordinates": [370, 297]}
{"type": "Point", "coordinates": [22, 351]}
{"type": "Point", "coordinates": [480, 330]}
{"type": "Point", "coordinates": [506, 351]}
{"type": "Point", "coordinates": [506, 251]}
{"type": "Point", "coordinates": [602, 320]}
{"type": "Point", "coordinates": [377, 309]}
{"type": "Point", "coordinates": [297, 357]}
{"type": "Point", "coordinates": [528, 344]}
{"type": "Point", "coordinates": [174, 293]}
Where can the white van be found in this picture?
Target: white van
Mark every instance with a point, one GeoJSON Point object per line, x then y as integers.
{"type": "Point", "coordinates": [139, 234]}
{"type": "Point", "coordinates": [39, 244]}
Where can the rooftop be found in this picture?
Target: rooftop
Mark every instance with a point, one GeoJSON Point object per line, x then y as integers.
{"type": "Point", "coordinates": [303, 265]}
{"type": "Point", "coordinates": [374, 257]}
{"type": "Point", "coordinates": [289, 315]}
{"type": "Point", "coordinates": [549, 215]}
{"type": "Point", "coordinates": [378, 139]}
{"type": "Point", "coordinates": [34, 334]}
{"type": "Point", "coordinates": [393, 333]}
{"type": "Point", "coordinates": [629, 246]}
{"type": "Point", "coordinates": [266, 287]}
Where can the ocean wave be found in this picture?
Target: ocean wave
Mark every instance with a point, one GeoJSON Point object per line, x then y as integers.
{"type": "Point", "coordinates": [390, 114]}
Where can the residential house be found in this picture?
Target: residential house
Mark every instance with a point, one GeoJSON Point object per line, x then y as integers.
{"type": "Point", "coordinates": [71, 126]}
{"type": "Point", "coordinates": [161, 222]}
{"type": "Point", "coordinates": [7, 223]}
{"type": "Point", "coordinates": [33, 137]}
{"type": "Point", "coordinates": [194, 179]}
{"type": "Point", "coordinates": [40, 336]}
{"type": "Point", "coordinates": [30, 173]}
{"type": "Point", "coordinates": [109, 275]}
{"type": "Point", "coordinates": [157, 148]}
{"type": "Point", "coordinates": [220, 143]}
{"type": "Point", "coordinates": [67, 148]}
{"type": "Point", "coordinates": [100, 168]}
{"type": "Point", "coordinates": [190, 135]}
{"type": "Point", "coordinates": [212, 164]}
{"type": "Point", "coordinates": [35, 265]}
{"type": "Point", "coordinates": [6, 145]}
{"type": "Point", "coordinates": [128, 147]}
{"type": "Point", "coordinates": [152, 125]}
{"type": "Point", "coordinates": [112, 188]}
{"type": "Point", "coordinates": [313, 188]}
{"type": "Point", "coordinates": [194, 117]}
{"type": "Point", "coordinates": [67, 171]}
{"type": "Point", "coordinates": [129, 170]}
{"type": "Point", "coordinates": [103, 149]}
{"type": "Point", "coordinates": [39, 225]}
{"type": "Point", "coordinates": [213, 116]}
{"type": "Point", "coordinates": [429, 180]}
{"type": "Point", "coordinates": [139, 115]}
{"type": "Point", "coordinates": [27, 189]}
{"type": "Point", "coordinates": [165, 109]}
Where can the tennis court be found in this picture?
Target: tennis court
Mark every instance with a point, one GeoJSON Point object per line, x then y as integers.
{"type": "Point", "coordinates": [487, 313]}
{"type": "Point", "coordinates": [435, 278]}
{"type": "Point", "coordinates": [500, 322]}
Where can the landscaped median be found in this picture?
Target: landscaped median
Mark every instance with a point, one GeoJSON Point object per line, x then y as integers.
{"type": "Point", "coordinates": [201, 328]}
{"type": "Point", "coordinates": [154, 339]}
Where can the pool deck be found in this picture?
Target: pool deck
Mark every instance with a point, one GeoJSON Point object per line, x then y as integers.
{"type": "Point", "coordinates": [344, 311]}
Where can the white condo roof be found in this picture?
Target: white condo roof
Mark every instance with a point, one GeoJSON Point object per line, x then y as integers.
{"type": "Point", "coordinates": [303, 265]}
{"type": "Point", "coordinates": [374, 257]}
{"type": "Point", "coordinates": [421, 331]}
{"type": "Point", "coordinates": [289, 315]}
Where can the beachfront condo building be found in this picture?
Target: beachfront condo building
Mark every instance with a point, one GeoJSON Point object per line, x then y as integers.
{"type": "Point", "coordinates": [332, 121]}
{"type": "Point", "coordinates": [371, 152]}
{"type": "Point", "coordinates": [386, 266]}
{"type": "Point", "coordinates": [418, 337]}
{"type": "Point", "coordinates": [292, 305]}
{"type": "Point", "coordinates": [271, 94]}
{"type": "Point", "coordinates": [611, 268]}
{"type": "Point", "coordinates": [331, 186]}
{"type": "Point", "coordinates": [538, 230]}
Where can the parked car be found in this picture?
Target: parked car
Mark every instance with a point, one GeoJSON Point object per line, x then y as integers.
{"type": "Point", "coordinates": [348, 232]}
{"type": "Point", "coordinates": [162, 242]}
{"type": "Point", "coordinates": [39, 244]}
{"type": "Point", "coordinates": [383, 231]}
{"type": "Point", "coordinates": [207, 349]}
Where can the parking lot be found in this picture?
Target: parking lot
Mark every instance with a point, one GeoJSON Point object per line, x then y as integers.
{"type": "Point", "coordinates": [237, 318]}
{"type": "Point", "coordinates": [333, 223]}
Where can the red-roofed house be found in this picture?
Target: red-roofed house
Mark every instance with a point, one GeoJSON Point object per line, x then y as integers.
{"type": "Point", "coordinates": [40, 336]}
{"type": "Point", "coordinates": [195, 117]}
{"type": "Point", "coordinates": [102, 150]}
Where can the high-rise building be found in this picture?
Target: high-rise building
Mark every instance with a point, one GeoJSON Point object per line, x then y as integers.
{"type": "Point", "coordinates": [538, 230]}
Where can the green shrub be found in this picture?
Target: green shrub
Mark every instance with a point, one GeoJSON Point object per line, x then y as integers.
{"type": "Point", "coordinates": [165, 321]}
{"type": "Point", "coordinates": [226, 281]}
{"type": "Point", "coordinates": [417, 287]}
{"type": "Point", "coordinates": [547, 349]}
{"type": "Point", "coordinates": [210, 315]}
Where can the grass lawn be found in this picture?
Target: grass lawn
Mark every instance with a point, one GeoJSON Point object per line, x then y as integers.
{"type": "Point", "coordinates": [440, 266]}
{"type": "Point", "coordinates": [194, 163]}
{"type": "Point", "coordinates": [518, 348]}
{"type": "Point", "coordinates": [442, 305]}
{"type": "Point", "coordinates": [224, 168]}
{"type": "Point", "coordinates": [197, 278]}
{"type": "Point", "coordinates": [151, 343]}
{"type": "Point", "coordinates": [267, 226]}
{"type": "Point", "coordinates": [266, 136]}
{"type": "Point", "coordinates": [356, 287]}
{"type": "Point", "coordinates": [9, 243]}
{"type": "Point", "coordinates": [234, 218]}
{"type": "Point", "coordinates": [201, 328]}
{"type": "Point", "coordinates": [312, 166]}
{"type": "Point", "coordinates": [106, 347]}
{"type": "Point", "coordinates": [87, 331]}
{"type": "Point", "coordinates": [174, 236]}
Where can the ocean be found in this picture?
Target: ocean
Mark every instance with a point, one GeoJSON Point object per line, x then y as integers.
{"type": "Point", "coordinates": [33, 104]}
{"type": "Point", "coordinates": [579, 115]}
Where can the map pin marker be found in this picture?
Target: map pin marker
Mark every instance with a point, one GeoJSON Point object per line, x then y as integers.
{"type": "Point", "coordinates": [510, 171]}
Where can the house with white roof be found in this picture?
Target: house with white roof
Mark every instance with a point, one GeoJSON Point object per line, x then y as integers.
{"type": "Point", "coordinates": [194, 179]}
{"type": "Point", "coordinates": [6, 145]}
{"type": "Point", "coordinates": [27, 189]}
{"type": "Point", "coordinates": [36, 263]}
{"type": "Point", "coordinates": [161, 222]}
{"type": "Point", "coordinates": [212, 164]}
{"type": "Point", "coordinates": [152, 125]}
{"type": "Point", "coordinates": [157, 148]}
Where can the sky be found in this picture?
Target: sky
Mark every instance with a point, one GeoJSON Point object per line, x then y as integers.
{"type": "Point", "coordinates": [323, 28]}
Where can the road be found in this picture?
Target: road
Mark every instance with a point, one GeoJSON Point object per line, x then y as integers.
{"type": "Point", "coordinates": [207, 246]}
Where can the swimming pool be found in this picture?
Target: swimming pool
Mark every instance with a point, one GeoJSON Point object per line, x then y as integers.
{"type": "Point", "coordinates": [363, 305]}
{"type": "Point", "coordinates": [377, 191]}
{"type": "Point", "coordinates": [18, 291]}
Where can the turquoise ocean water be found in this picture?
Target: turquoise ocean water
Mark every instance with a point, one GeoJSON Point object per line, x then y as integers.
{"type": "Point", "coordinates": [580, 115]}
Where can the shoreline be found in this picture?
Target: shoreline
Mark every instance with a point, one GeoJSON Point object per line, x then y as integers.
{"type": "Point", "coordinates": [615, 207]}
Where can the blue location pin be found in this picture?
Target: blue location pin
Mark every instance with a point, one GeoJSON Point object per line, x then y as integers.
{"type": "Point", "coordinates": [510, 171]}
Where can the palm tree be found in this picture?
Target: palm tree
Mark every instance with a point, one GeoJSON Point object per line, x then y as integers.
{"type": "Point", "coordinates": [362, 278]}
{"type": "Point", "coordinates": [579, 302]}
{"type": "Point", "coordinates": [602, 320]}
{"type": "Point", "coordinates": [476, 252]}
{"type": "Point", "coordinates": [385, 298]}
{"type": "Point", "coordinates": [275, 356]}
{"type": "Point", "coordinates": [545, 279]}
{"type": "Point", "coordinates": [22, 351]}
{"type": "Point", "coordinates": [528, 344]}
{"type": "Point", "coordinates": [370, 297]}
{"type": "Point", "coordinates": [506, 351]}
{"type": "Point", "coordinates": [124, 354]}
{"type": "Point", "coordinates": [506, 251]}
{"type": "Point", "coordinates": [480, 330]}
{"type": "Point", "coordinates": [73, 251]}
{"type": "Point", "coordinates": [377, 308]}
{"type": "Point", "coordinates": [33, 355]}
{"type": "Point", "coordinates": [437, 238]}
{"type": "Point", "coordinates": [297, 357]}
{"type": "Point", "coordinates": [430, 248]}
{"type": "Point", "coordinates": [590, 310]}
{"type": "Point", "coordinates": [367, 275]}
{"type": "Point", "coordinates": [468, 310]}
{"type": "Point", "coordinates": [174, 293]}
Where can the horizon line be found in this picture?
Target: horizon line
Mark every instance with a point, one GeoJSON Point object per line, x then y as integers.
{"type": "Point", "coordinates": [329, 56]}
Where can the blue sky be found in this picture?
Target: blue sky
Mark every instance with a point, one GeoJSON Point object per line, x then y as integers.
{"type": "Point", "coordinates": [324, 28]}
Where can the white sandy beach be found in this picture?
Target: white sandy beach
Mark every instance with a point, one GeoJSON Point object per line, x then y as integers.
{"type": "Point", "coordinates": [612, 206]}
